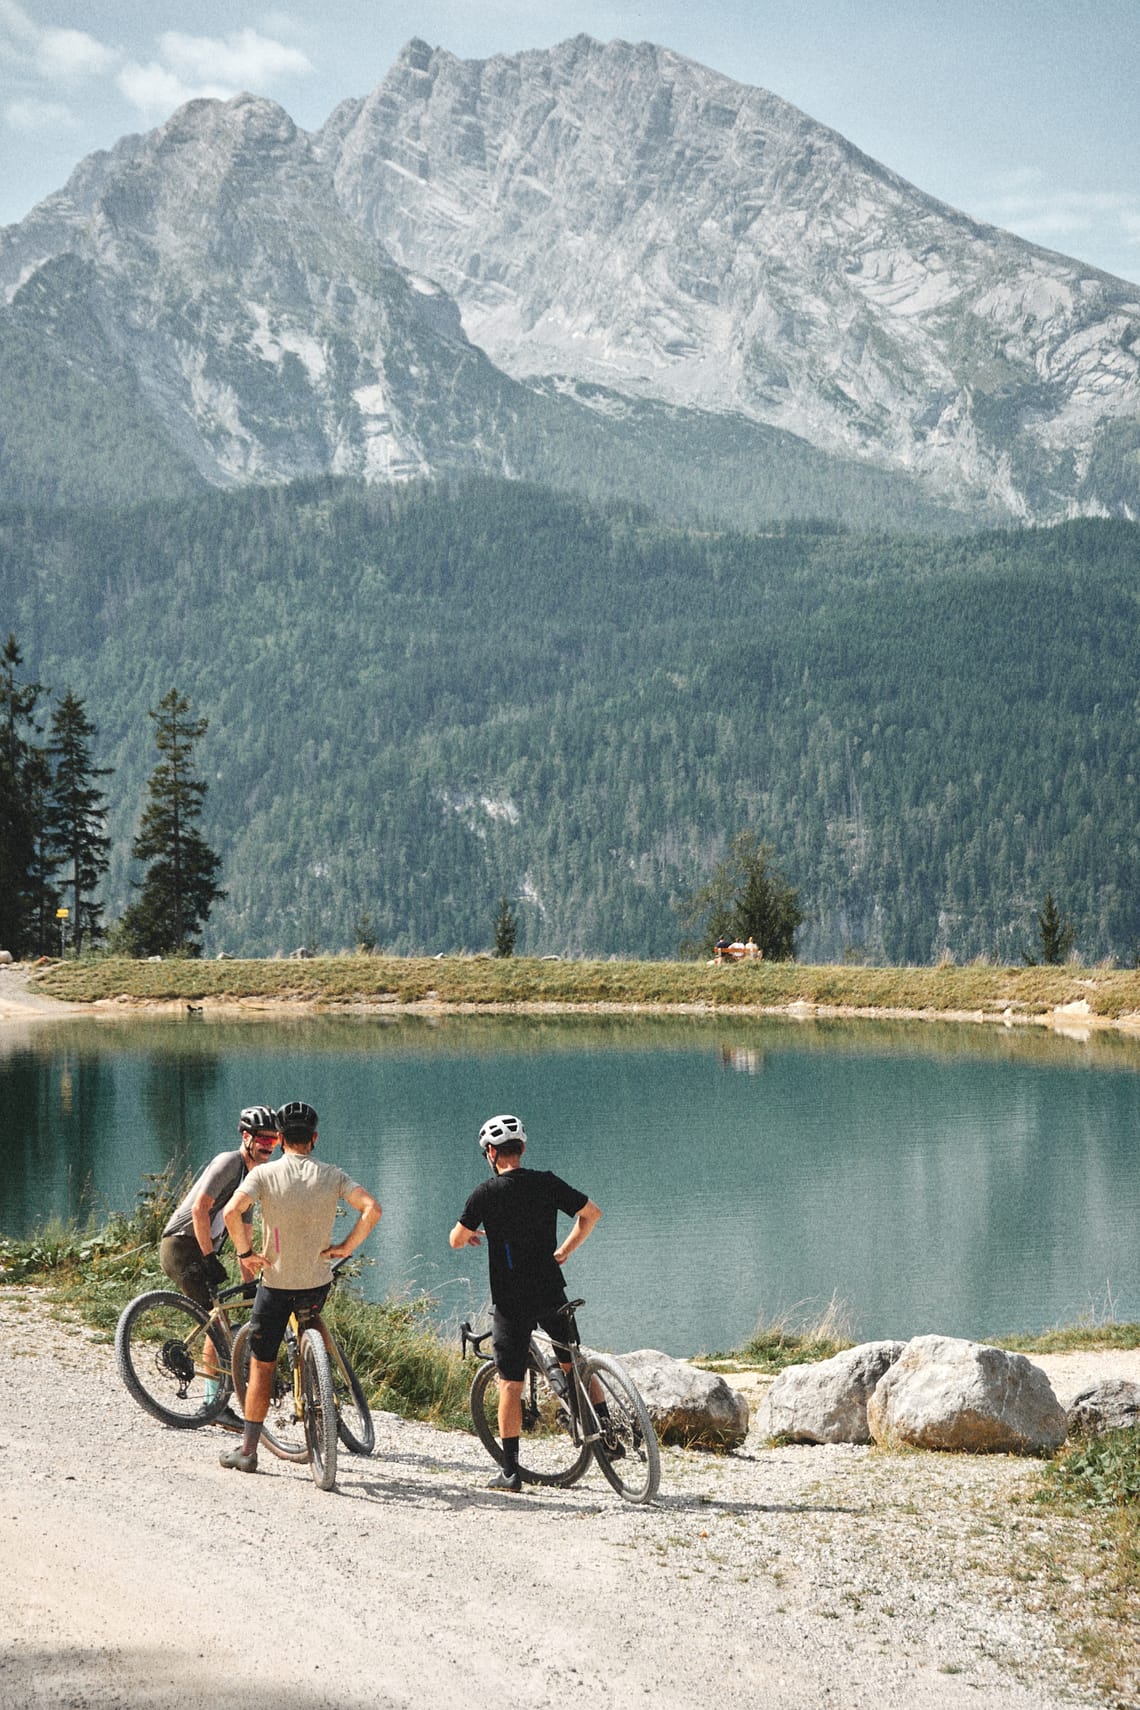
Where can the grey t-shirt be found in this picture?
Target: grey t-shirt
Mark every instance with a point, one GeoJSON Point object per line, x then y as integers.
{"type": "Point", "coordinates": [298, 1198]}
{"type": "Point", "coordinates": [219, 1179]}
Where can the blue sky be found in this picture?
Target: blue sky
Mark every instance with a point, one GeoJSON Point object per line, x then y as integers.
{"type": "Point", "coordinates": [1021, 112]}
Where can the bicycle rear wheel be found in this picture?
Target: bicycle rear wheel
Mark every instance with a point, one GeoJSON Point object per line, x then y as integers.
{"type": "Point", "coordinates": [548, 1453]}
{"type": "Point", "coordinates": [320, 1408]}
{"type": "Point", "coordinates": [161, 1343]}
{"type": "Point", "coordinates": [627, 1452]}
{"type": "Point", "coordinates": [353, 1419]}
{"type": "Point", "coordinates": [283, 1433]}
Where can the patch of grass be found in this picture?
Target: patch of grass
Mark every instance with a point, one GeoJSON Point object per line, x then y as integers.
{"type": "Point", "coordinates": [1102, 1472]}
{"type": "Point", "coordinates": [1019, 993]}
{"type": "Point", "coordinates": [1098, 1577]}
{"type": "Point", "coordinates": [789, 1339]}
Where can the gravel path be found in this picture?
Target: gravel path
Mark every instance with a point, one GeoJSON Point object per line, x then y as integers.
{"type": "Point", "coordinates": [143, 1575]}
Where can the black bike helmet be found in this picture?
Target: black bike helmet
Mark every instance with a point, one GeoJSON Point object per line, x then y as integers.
{"type": "Point", "coordinates": [297, 1121]}
{"type": "Point", "coordinates": [498, 1130]}
{"type": "Point", "coordinates": [258, 1119]}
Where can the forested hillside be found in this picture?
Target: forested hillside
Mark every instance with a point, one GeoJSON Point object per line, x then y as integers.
{"type": "Point", "coordinates": [420, 700]}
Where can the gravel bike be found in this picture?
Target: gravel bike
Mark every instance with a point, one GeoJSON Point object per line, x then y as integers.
{"type": "Point", "coordinates": [169, 1349]}
{"type": "Point", "coordinates": [315, 1399]}
{"type": "Point", "coordinates": [174, 1357]}
{"type": "Point", "coordinates": [562, 1427]}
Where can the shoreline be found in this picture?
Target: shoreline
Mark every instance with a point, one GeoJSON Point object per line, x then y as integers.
{"type": "Point", "coordinates": [1073, 1020]}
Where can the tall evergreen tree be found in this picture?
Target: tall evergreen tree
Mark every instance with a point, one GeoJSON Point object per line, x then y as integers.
{"type": "Point", "coordinates": [20, 826]}
{"type": "Point", "coordinates": [42, 931]}
{"type": "Point", "coordinates": [79, 807]}
{"type": "Point", "coordinates": [1055, 932]}
{"type": "Point", "coordinates": [178, 890]}
{"type": "Point", "coordinates": [506, 929]}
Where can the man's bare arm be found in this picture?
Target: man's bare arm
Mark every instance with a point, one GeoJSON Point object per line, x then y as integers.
{"type": "Point", "coordinates": [370, 1214]}
{"type": "Point", "coordinates": [461, 1236]}
{"type": "Point", "coordinates": [578, 1231]}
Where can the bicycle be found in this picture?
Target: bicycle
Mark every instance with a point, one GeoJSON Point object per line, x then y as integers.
{"type": "Point", "coordinates": [160, 1350]}
{"type": "Point", "coordinates": [161, 1344]}
{"type": "Point", "coordinates": [315, 1398]}
{"type": "Point", "coordinates": [561, 1427]}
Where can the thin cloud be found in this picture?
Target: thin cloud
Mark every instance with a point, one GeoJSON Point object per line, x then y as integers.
{"type": "Point", "coordinates": [156, 91]}
{"type": "Point", "coordinates": [244, 59]}
{"type": "Point", "coordinates": [30, 115]}
{"type": "Point", "coordinates": [72, 55]}
{"type": "Point", "coordinates": [1061, 214]}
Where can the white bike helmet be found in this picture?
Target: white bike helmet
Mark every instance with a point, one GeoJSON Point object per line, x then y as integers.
{"type": "Point", "coordinates": [499, 1129]}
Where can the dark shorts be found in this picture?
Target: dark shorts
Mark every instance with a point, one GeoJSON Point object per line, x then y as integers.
{"type": "Point", "coordinates": [511, 1334]}
{"type": "Point", "coordinates": [185, 1264]}
{"type": "Point", "coordinates": [271, 1309]}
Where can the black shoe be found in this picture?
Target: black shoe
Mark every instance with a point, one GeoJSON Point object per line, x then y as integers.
{"type": "Point", "coordinates": [506, 1481]}
{"type": "Point", "coordinates": [239, 1460]}
{"type": "Point", "coordinates": [230, 1420]}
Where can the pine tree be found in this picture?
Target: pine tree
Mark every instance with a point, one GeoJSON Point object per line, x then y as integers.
{"type": "Point", "coordinates": [178, 890]}
{"type": "Point", "coordinates": [1056, 934]}
{"type": "Point", "coordinates": [78, 813]}
{"type": "Point", "coordinates": [20, 805]}
{"type": "Point", "coordinates": [506, 929]}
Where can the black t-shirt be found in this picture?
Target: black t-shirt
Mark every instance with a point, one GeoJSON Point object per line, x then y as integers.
{"type": "Point", "coordinates": [518, 1211]}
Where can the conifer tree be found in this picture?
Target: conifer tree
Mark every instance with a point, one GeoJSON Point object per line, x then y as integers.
{"type": "Point", "coordinates": [1056, 933]}
{"type": "Point", "coordinates": [506, 929]}
{"type": "Point", "coordinates": [178, 890]}
{"type": "Point", "coordinates": [20, 830]}
{"type": "Point", "coordinates": [78, 808]}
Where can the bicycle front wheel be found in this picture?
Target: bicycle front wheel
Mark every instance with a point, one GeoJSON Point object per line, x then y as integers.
{"type": "Point", "coordinates": [320, 1408]}
{"type": "Point", "coordinates": [283, 1433]}
{"type": "Point", "coordinates": [627, 1450]}
{"type": "Point", "coordinates": [166, 1356]}
{"type": "Point", "coordinates": [548, 1452]}
{"type": "Point", "coordinates": [353, 1418]}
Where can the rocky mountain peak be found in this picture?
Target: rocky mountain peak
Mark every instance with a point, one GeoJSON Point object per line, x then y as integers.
{"type": "Point", "coordinates": [616, 213]}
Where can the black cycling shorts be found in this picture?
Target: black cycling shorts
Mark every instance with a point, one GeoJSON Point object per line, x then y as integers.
{"type": "Point", "coordinates": [511, 1334]}
{"type": "Point", "coordinates": [185, 1264]}
{"type": "Point", "coordinates": [271, 1309]}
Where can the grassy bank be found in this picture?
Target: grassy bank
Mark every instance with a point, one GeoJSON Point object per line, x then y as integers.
{"type": "Point", "coordinates": [404, 1364]}
{"type": "Point", "coordinates": [977, 989]}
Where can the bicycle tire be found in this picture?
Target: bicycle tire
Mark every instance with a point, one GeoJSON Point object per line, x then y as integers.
{"type": "Point", "coordinates": [159, 1344]}
{"type": "Point", "coordinates": [353, 1418]}
{"type": "Point", "coordinates": [282, 1433]}
{"type": "Point", "coordinates": [319, 1408]}
{"type": "Point", "coordinates": [628, 1454]}
{"type": "Point", "coordinates": [548, 1453]}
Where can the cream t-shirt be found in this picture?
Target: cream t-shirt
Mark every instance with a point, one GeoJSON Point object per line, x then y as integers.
{"type": "Point", "coordinates": [298, 1198]}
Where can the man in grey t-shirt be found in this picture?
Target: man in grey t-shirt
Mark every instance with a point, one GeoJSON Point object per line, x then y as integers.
{"type": "Point", "coordinates": [299, 1198]}
{"type": "Point", "coordinates": [195, 1232]}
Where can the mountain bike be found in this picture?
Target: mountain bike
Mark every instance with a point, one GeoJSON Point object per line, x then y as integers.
{"type": "Point", "coordinates": [315, 1398]}
{"type": "Point", "coordinates": [562, 1427]}
{"type": "Point", "coordinates": [175, 1357]}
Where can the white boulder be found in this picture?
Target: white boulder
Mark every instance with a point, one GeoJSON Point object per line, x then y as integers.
{"type": "Point", "coordinates": [947, 1393]}
{"type": "Point", "coordinates": [688, 1405]}
{"type": "Point", "coordinates": [827, 1402]}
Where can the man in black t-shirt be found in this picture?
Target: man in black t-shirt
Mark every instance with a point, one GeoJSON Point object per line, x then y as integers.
{"type": "Point", "coordinates": [517, 1211]}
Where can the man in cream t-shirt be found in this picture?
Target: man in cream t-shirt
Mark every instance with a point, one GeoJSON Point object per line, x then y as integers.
{"type": "Point", "coordinates": [299, 1197]}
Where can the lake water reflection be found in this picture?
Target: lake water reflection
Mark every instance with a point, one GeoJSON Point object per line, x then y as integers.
{"type": "Point", "coordinates": [955, 1178]}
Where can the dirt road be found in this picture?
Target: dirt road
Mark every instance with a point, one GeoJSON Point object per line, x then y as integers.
{"type": "Point", "coordinates": [140, 1574]}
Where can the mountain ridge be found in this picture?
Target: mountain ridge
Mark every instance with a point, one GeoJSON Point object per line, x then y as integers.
{"type": "Point", "coordinates": [500, 264]}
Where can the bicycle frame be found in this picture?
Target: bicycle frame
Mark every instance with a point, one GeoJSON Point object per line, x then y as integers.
{"type": "Point", "coordinates": [581, 1407]}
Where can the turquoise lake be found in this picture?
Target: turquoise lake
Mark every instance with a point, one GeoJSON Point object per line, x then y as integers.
{"type": "Point", "coordinates": [970, 1180]}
